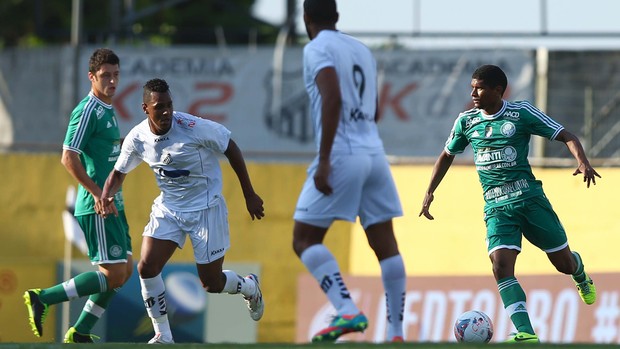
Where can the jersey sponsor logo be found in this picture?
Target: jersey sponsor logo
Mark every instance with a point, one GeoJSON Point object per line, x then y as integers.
{"type": "Point", "coordinates": [108, 125]}
{"type": "Point", "coordinates": [472, 121]}
{"type": "Point", "coordinates": [512, 114]}
{"type": "Point", "coordinates": [507, 191]}
{"type": "Point", "coordinates": [489, 156]}
{"type": "Point", "coordinates": [99, 112]}
{"type": "Point", "coordinates": [475, 134]}
{"type": "Point", "coordinates": [173, 173]}
{"type": "Point", "coordinates": [160, 139]}
{"type": "Point", "coordinates": [508, 129]}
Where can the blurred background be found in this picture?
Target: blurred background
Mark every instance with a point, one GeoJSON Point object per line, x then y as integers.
{"type": "Point", "coordinates": [239, 62]}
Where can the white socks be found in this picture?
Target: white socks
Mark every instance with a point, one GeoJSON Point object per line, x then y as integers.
{"type": "Point", "coordinates": [323, 266]}
{"type": "Point", "coordinates": [394, 280]}
{"type": "Point", "coordinates": [154, 296]}
{"type": "Point", "coordinates": [236, 283]}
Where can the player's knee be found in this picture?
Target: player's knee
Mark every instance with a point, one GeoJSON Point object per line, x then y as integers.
{"type": "Point", "coordinates": [116, 280]}
{"type": "Point", "coordinates": [148, 270]}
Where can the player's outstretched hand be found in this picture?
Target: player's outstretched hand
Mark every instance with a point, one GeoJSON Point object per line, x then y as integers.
{"type": "Point", "coordinates": [255, 207]}
{"type": "Point", "coordinates": [426, 205]}
{"type": "Point", "coordinates": [589, 173]}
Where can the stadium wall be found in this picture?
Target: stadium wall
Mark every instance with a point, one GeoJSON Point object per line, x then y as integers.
{"type": "Point", "coordinates": [32, 196]}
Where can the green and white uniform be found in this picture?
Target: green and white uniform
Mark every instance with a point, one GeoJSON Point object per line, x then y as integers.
{"type": "Point", "coordinates": [94, 134]}
{"type": "Point", "coordinates": [515, 203]}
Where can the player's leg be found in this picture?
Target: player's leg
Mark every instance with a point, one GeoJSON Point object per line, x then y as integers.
{"type": "Point", "coordinates": [117, 267]}
{"type": "Point", "coordinates": [38, 300]}
{"type": "Point", "coordinates": [210, 239]}
{"type": "Point", "coordinates": [504, 245]}
{"type": "Point", "coordinates": [379, 204]}
{"type": "Point", "coordinates": [314, 213]}
{"type": "Point", "coordinates": [547, 233]}
{"type": "Point", "coordinates": [381, 239]}
{"type": "Point", "coordinates": [161, 237]}
{"type": "Point", "coordinates": [216, 280]}
{"type": "Point", "coordinates": [155, 253]}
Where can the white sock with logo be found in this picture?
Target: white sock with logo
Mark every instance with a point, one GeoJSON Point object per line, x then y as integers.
{"type": "Point", "coordinates": [236, 283]}
{"type": "Point", "coordinates": [323, 266]}
{"type": "Point", "coordinates": [394, 280]}
{"type": "Point", "coordinates": [154, 296]}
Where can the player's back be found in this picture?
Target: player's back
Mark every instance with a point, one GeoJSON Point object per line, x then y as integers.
{"type": "Point", "coordinates": [357, 77]}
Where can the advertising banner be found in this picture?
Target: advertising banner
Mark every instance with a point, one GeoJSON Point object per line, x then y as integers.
{"type": "Point", "coordinates": [432, 305]}
{"type": "Point", "coordinates": [261, 97]}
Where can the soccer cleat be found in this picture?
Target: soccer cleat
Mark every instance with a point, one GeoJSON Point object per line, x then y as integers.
{"type": "Point", "coordinates": [522, 337]}
{"type": "Point", "coordinates": [587, 290]}
{"type": "Point", "coordinates": [341, 325]}
{"type": "Point", "coordinates": [159, 339]}
{"type": "Point", "coordinates": [397, 339]}
{"type": "Point", "coordinates": [255, 303]}
{"type": "Point", "coordinates": [37, 310]}
{"type": "Point", "coordinates": [73, 336]}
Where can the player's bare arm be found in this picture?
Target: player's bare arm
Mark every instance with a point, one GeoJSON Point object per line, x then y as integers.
{"type": "Point", "coordinates": [329, 88]}
{"type": "Point", "coordinates": [105, 205]}
{"type": "Point", "coordinates": [253, 202]}
{"type": "Point", "coordinates": [71, 161]}
{"type": "Point", "coordinates": [583, 165]}
{"type": "Point", "coordinates": [442, 165]}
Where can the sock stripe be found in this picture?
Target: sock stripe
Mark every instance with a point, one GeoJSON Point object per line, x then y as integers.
{"type": "Point", "coordinates": [70, 289]}
{"type": "Point", "coordinates": [103, 281]}
{"type": "Point", "coordinates": [94, 309]}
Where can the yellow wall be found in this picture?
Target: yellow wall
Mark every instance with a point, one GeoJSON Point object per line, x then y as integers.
{"type": "Point", "coordinates": [32, 195]}
{"type": "Point", "coordinates": [453, 243]}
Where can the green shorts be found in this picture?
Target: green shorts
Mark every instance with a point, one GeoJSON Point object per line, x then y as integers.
{"type": "Point", "coordinates": [533, 218]}
{"type": "Point", "coordinates": [108, 239]}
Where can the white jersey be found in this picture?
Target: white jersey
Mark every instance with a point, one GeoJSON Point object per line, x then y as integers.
{"type": "Point", "coordinates": [357, 74]}
{"type": "Point", "coordinates": [184, 160]}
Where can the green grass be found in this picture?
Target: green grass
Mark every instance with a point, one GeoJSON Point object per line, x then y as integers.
{"type": "Point", "coordinates": [302, 346]}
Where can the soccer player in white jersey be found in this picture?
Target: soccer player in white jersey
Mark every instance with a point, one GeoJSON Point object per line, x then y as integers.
{"type": "Point", "coordinates": [515, 204]}
{"type": "Point", "coordinates": [350, 176]}
{"type": "Point", "coordinates": [91, 146]}
{"type": "Point", "coordinates": [182, 150]}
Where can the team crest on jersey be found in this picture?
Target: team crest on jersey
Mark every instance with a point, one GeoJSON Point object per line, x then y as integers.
{"type": "Point", "coordinates": [508, 129]}
{"type": "Point", "coordinates": [99, 112]}
{"type": "Point", "coordinates": [167, 159]}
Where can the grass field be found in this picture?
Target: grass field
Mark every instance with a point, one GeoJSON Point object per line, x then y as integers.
{"type": "Point", "coordinates": [301, 346]}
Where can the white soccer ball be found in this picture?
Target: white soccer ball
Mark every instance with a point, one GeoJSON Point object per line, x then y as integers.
{"type": "Point", "coordinates": [473, 326]}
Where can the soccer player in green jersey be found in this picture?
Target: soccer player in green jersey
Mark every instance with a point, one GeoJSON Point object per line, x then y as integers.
{"type": "Point", "coordinates": [515, 204]}
{"type": "Point", "coordinates": [90, 149]}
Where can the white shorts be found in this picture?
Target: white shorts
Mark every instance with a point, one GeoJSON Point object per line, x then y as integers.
{"type": "Point", "coordinates": [207, 229]}
{"type": "Point", "coordinates": [362, 186]}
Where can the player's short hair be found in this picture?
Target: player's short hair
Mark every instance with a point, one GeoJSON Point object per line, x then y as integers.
{"type": "Point", "coordinates": [100, 57]}
{"type": "Point", "coordinates": [154, 85]}
{"type": "Point", "coordinates": [321, 11]}
{"type": "Point", "coordinates": [492, 76]}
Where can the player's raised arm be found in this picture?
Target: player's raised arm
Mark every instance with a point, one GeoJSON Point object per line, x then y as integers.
{"type": "Point", "coordinates": [253, 202]}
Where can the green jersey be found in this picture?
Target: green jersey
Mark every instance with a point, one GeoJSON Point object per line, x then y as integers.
{"type": "Point", "coordinates": [501, 145]}
{"type": "Point", "coordinates": [94, 134]}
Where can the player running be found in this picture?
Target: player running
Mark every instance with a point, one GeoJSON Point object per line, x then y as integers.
{"type": "Point", "coordinates": [515, 204]}
{"type": "Point", "coordinates": [182, 150]}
